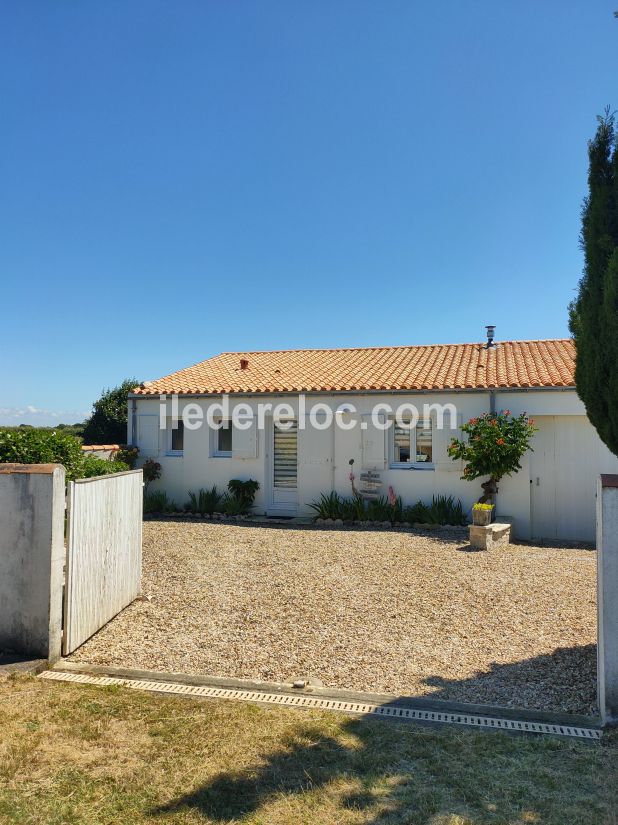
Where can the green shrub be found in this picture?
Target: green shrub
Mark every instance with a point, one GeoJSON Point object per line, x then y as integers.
{"type": "Point", "coordinates": [233, 506]}
{"type": "Point", "coordinates": [158, 502]}
{"type": "Point", "coordinates": [442, 510]}
{"type": "Point", "coordinates": [93, 466]}
{"type": "Point", "coordinates": [359, 508]}
{"type": "Point", "coordinates": [243, 491]}
{"type": "Point", "coordinates": [353, 509]}
{"type": "Point", "coordinates": [333, 506]}
{"type": "Point", "coordinates": [328, 506]}
{"type": "Point", "coordinates": [151, 471]}
{"type": "Point", "coordinates": [397, 510]}
{"type": "Point", "coordinates": [128, 455]}
{"type": "Point", "coordinates": [445, 510]}
{"type": "Point", "coordinates": [206, 501]}
{"type": "Point", "coordinates": [379, 509]}
{"type": "Point", "coordinates": [35, 446]}
{"type": "Point", "coordinates": [30, 445]}
{"type": "Point", "coordinates": [417, 513]}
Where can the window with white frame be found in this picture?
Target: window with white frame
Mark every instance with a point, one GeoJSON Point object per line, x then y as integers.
{"type": "Point", "coordinates": [175, 437]}
{"type": "Point", "coordinates": [411, 447]}
{"type": "Point", "coordinates": [222, 440]}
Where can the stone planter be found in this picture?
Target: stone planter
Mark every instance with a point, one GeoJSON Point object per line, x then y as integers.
{"type": "Point", "coordinates": [481, 518]}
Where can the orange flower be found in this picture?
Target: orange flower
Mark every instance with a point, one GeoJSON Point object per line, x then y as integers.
{"type": "Point", "coordinates": [500, 441]}
{"type": "Point", "coordinates": [493, 422]}
{"type": "Point", "coordinates": [531, 421]}
{"type": "Point", "coordinates": [473, 421]}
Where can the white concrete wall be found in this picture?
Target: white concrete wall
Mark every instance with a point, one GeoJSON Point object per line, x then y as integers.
{"type": "Point", "coordinates": [108, 453]}
{"type": "Point", "coordinates": [198, 468]}
{"type": "Point", "coordinates": [31, 558]}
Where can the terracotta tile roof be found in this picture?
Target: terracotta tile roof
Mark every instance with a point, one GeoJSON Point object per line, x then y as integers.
{"type": "Point", "coordinates": [437, 367]}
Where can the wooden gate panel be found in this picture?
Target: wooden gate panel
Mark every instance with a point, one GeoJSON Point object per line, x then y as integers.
{"type": "Point", "coordinates": [104, 552]}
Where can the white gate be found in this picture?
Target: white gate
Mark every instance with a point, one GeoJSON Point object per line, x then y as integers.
{"type": "Point", "coordinates": [104, 552]}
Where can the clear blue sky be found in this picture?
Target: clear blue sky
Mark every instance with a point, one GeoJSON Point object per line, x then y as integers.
{"type": "Point", "coordinates": [180, 179]}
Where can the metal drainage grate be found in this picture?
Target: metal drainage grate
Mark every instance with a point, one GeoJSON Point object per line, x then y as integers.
{"type": "Point", "coordinates": [318, 703]}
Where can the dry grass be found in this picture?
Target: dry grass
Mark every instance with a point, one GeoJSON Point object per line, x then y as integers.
{"type": "Point", "coordinates": [381, 611]}
{"type": "Point", "coordinates": [75, 754]}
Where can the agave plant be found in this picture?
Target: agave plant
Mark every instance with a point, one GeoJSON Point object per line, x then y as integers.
{"type": "Point", "coordinates": [417, 513]}
{"type": "Point", "coordinates": [380, 509]}
{"type": "Point", "coordinates": [353, 509]}
{"type": "Point", "coordinates": [360, 508]}
{"type": "Point", "coordinates": [329, 505]}
{"type": "Point", "coordinates": [158, 502]}
{"type": "Point", "coordinates": [233, 506]}
{"type": "Point", "coordinates": [442, 510]}
{"type": "Point", "coordinates": [445, 510]}
{"type": "Point", "coordinates": [206, 501]}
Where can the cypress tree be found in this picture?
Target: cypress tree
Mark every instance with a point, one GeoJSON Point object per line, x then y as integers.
{"type": "Point", "coordinates": [594, 313]}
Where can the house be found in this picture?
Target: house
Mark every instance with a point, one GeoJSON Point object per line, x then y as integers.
{"type": "Point", "coordinates": [553, 496]}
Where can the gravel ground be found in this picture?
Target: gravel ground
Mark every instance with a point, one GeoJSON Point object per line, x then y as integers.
{"type": "Point", "coordinates": [383, 611]}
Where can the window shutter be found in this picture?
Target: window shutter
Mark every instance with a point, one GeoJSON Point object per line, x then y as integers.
{"type": "Point", "coordinates": [148, 435]}
{"type": "Point", "coordinates": [441, 440]}
{"type": "Point", "coordinates": [244, 442]}
{"type": "Point", "coordinates": [373, 443]}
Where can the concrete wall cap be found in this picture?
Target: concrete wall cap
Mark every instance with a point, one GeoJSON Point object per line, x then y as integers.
{"type": "Point", "coordinates": [33, 469]}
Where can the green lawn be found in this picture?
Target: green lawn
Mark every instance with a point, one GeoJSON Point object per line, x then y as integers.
{"type": "Point", "coordinates": [75, 754]}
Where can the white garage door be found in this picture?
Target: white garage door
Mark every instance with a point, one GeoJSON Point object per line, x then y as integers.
{"type": "Point", "coordinates": [567, 459]}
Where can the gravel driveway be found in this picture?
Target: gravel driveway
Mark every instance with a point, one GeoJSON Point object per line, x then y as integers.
{"type": "Point", "coordinates": [383, 611]}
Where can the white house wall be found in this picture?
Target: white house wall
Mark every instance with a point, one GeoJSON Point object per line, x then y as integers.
{"type": "Point", "coordinates": [323, 459]}
{"type": "Point", "coordinates": [540, 402]}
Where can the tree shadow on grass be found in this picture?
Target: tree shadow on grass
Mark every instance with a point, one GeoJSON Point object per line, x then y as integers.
{"type": "Point", "coordinates": [419, 776]}
{"type": "Point", "coordinates": [374, 771]}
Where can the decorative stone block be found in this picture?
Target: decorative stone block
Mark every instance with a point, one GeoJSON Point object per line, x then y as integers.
{"type": "Point", "coordinates": [493, 535]}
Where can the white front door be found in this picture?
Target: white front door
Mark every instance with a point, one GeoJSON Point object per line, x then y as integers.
{"type": "Point", "coordinates": [284, 468]}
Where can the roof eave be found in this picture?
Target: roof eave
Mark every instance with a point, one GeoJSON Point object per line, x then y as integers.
{"type": "Point", "coordinates": [425, 391]}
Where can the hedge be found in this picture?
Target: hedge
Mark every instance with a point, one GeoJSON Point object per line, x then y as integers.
{"type": "Point", "coordinates": [32, 446]}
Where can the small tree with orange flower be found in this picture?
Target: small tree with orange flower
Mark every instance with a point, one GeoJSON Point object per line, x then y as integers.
{"type": "Point", "coordinates": [495, 445]}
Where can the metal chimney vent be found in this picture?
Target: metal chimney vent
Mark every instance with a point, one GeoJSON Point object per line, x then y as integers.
{"type": "Point", "coordinates": [490, 335]}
